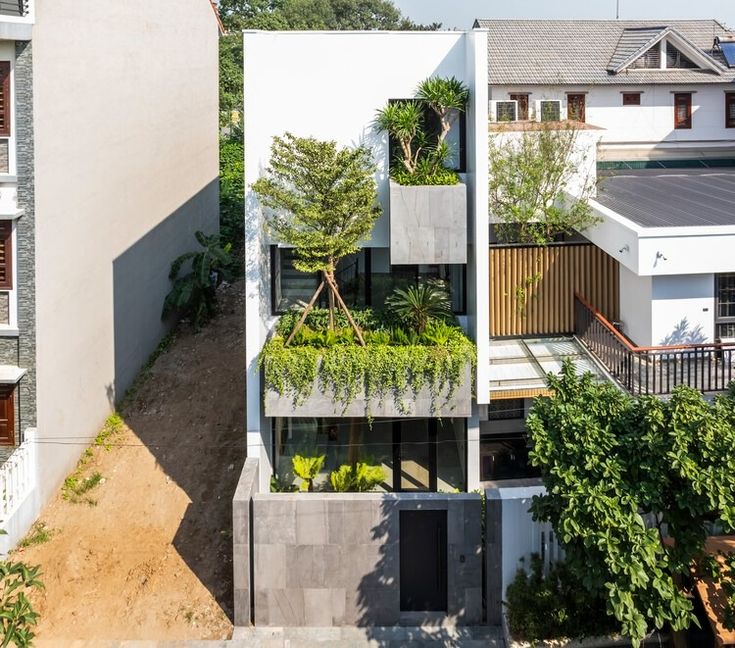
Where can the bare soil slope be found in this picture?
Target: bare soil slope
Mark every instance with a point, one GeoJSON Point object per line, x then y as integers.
{"type": "Point", "coordinates": [153, 558]}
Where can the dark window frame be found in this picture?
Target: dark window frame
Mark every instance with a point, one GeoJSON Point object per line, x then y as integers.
{"type": "Point", "coordinates": [520, 97]}
{"type": "Point", "coordinates": [686, 99]}
{"type": "Point", "coordinates": [5, 112]}
{"type": "Point", "coordinates": [631, 98]}
{"type": "Point", "coordinates": [6, 234]}
{"type": "Point", "coordinates": [573, 98]}
{"type": "Point", "coordinates": [730, 110]}
{"type": "Point", "coordinates": [723, 320]}
{"type": "Point", "coordinates": [7, 393]}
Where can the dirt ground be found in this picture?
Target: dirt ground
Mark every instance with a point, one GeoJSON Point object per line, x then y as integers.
{"type": "Point", "coordinates": [153, 558]}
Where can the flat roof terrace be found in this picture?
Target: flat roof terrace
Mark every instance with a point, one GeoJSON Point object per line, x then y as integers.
{"type": "Point", "coordinates": [670, 197]}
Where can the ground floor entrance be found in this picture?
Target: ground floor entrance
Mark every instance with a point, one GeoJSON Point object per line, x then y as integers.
{"type": "Point", "coordinates": [419, 455]}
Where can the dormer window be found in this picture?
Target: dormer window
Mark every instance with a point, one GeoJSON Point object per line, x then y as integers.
{"type": "Point", "coordinates": [651, 60]}
{"type": "Point", "coordinates": [675, 59]}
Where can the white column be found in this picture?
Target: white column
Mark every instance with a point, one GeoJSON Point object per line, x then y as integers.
{"type": "Point", "coordinates": [473, 450]}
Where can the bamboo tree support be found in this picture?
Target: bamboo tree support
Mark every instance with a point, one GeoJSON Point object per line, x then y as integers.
{"type": "Point", "coordinates": [335, 290]}
{"type": "Point", "coordinates": [307, 310]}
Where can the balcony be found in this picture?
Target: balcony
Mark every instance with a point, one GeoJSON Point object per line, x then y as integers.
{"type": "Point", "coordinates": [653, 370]}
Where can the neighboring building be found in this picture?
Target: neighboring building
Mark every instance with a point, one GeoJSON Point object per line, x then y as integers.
{"type": "Point", "coordinates": [108, 164]}
{"type": "Point", "coordinates": [658, 267]}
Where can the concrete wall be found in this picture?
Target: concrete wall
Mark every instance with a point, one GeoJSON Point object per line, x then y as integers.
{"type": "Point", "coordinates": [126, 151]}
{"type": "Point", "coordinates": [247, 487]}
{"type": "Point", "coordinates": [333, 559]}
{"type": "Point", "coordinates": [635, 306]}
{"type": "Point", "coordinates": [649, 126]}
{"type": "Point", "coordinates": [683, 309]}
{"type": "Point", "coordinates": [358, 72]}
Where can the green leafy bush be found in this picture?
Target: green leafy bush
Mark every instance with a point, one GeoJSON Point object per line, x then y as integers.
{"type": "Point", "coordinates": [17, 616]}
{"type": "Point", "coordinates": [307, 468]}
{"type": "Point", "coordinates": [360, 478]}
{"type": "Point", "coordinates": [426, 177]}
{"type": "Point", "coordinates": [416, 305]}
{"type": "Point", "coordinates": [555, 606]}
{"type": "Point", "coordinates": [232, 191]}
{"type": "Point", "coordinates": [318, 320]}
{"type": "Point", "coordinates": [194, 294]}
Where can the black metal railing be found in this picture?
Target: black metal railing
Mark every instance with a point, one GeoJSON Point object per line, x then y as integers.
{"type": "Point", "coordinates": [653, 370]}
{"type": "Point", "coordinates": [14, 7]}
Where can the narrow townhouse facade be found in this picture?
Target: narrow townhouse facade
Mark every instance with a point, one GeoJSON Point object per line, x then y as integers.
{"type": "Point", "coordinates": [101, 187]}
{"type": "Point", "coordinates": [643, 299]}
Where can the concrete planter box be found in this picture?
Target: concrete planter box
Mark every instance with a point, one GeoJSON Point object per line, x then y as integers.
{"type": "Point", "coordinates": [321, 404]}
{"type": "Point", "coordinates": [428, 224]}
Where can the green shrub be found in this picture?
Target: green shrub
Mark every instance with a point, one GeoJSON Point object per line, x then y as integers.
{"type": "Point", "coordinates": [17, 616]}
{"type": "Point", "coordinates": [429, 177]}
{"type": "Point", "coordinates": [318, 320]}
{"type": "Point", "coordinates": [307, 468]}
{"type": "Point", "coordinates": [417, 305]}
{"type": "Point", "coordinates": [232, 191]}
{"type": "Point", "coordinates": [360, 478]}
{"type": "Point", "coordinates": [555, 606]}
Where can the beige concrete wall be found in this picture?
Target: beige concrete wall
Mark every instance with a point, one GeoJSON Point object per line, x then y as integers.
{"type": "Point", "coordinates": [125, 101]}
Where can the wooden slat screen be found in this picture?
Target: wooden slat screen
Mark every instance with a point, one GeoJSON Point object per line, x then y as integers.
{"type": "Point", "coordinates": [6, 255]}
{"type": "Point", "coordinates": [549, 277]}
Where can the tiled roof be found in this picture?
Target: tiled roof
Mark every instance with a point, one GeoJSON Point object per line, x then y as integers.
{"type": "Point", "coordinates": [576, 52]}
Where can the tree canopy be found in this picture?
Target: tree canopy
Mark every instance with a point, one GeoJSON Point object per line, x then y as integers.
{"type": "Point", "coordinates": [622, 473]}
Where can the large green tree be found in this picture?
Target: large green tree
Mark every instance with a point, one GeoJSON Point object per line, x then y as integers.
{"type": "Point", "coordinates": [323, 201]}
{"type": "Point", "coordinates": [623, 473]}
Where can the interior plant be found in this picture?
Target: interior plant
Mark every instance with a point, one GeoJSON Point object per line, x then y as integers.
{"type": "Point", "coordinates": [417, 305]}
{"type": "Point", "coordinates": [623, 474]}
{"type": "Point", "coordinates": [423, 151]}
{"type": "Point", "coordinates": [17, 616]}
{"type": "Point", "coordinates": [307, 468]}
{"type": "Point", "coordinates": [194, 294]}
{"type": "Point", "coordinates": [528, 179]}
{"type": "Point", "coordinates": [322, 200]}
{"type": "Point", "coordinates": [360, 477]}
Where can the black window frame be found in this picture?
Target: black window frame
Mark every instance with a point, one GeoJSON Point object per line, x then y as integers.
{"type": "Point", "coordinates": [727, 320]}
{"type": "Point", "coordinates": [729, 105]}
{"type": "Point", "coordinates": [629, 95]}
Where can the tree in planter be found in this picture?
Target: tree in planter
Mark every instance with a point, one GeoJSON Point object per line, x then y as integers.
{"type": "Point", "coordinates": [323, 201]}
{"type": "Point", "coordinates": [423, 154]}
{"type": "Point", "coordinates": [307, 469]}
{"type": "Point", "coordinates": [607, 460]}
{"type": "Point", "coordinates": [528, 179]}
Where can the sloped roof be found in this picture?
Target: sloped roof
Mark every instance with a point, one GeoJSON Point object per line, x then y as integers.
{"type": "Point", "coordinates": [569, 52]}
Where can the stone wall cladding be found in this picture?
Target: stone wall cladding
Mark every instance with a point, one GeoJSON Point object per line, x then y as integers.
{"type": "Point", "coordinates": [25, 253]}
{"type": "Point", "coordinates": [332, 559]}
{"type": "Point", "coordinates": [247, 487]}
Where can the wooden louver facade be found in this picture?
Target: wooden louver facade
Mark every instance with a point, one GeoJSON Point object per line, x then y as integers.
{"type": "Point", "coordinates": [532, 288]}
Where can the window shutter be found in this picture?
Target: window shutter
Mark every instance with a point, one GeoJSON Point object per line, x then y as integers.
{"type": "Point", "coordinates": [4, 98]}
{"type": "Point", "coordinates": [7, 415]}
{"type": "Point", "coordinates": [6, 255]}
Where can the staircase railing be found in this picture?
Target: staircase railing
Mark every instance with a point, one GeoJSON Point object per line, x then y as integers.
{"type": "Point", "coordinates": [653, 370]}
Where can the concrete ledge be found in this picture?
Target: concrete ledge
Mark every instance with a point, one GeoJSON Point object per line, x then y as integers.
{"type": "Point", "coordinates": [423, 405]}
{"type": "Point", "coordinates": [247, 487]}
{"type": "Point", "coordinates": [428, 224]}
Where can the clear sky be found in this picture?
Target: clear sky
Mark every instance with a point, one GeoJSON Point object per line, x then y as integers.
{"type": "Point", "coordinates": [461, 13]}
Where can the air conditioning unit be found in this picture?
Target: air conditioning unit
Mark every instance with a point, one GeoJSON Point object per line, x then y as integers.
{"type": "Point", "coordinates": [548, 110]}
{"type": "Point", "coordinates": [503, 111]}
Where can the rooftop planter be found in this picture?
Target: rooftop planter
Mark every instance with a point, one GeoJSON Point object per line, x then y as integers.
{"type": "Point", "coordinates": [396, 374]}
{"type": "Point", "coordinates": [428, 204]}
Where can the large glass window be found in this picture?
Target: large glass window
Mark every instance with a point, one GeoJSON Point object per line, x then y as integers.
{"type": "Point", "coordinates": [505, 456]}
{"type": "Point", "coordinates": [725, 308]}
{"type": "Point", "coordinates": [365, 279]}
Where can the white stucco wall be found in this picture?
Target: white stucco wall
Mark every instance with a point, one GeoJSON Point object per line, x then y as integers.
{"type": "Point", "coordinates": [652, 121]}
{"type": "Point", "coordinates": [126, 154]}
{"type": "Point", "coordinates": [675, 298]}
{"type": "Point", "coordinates": [635, 306]}
{"type": "Point", "coordinates": [329, 85]}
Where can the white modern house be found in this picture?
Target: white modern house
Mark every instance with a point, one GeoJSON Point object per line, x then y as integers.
{"type": "Point", "coordinates": [645, 298]}
{"type": "Point", "coordinates": [100, 188]}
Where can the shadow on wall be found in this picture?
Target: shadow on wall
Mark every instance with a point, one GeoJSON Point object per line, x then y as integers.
{"type": "Point", "coordinates": [140, 283]}
{"type": "Point", "coordinates": [684, 334]}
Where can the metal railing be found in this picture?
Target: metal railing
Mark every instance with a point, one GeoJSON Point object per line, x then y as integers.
{"type": "Point", "coordinates": [18, 476]}
{"type": "Point", "coordinates": [653, 370]}
{"type": "Point", "coordinates": [17, 8]}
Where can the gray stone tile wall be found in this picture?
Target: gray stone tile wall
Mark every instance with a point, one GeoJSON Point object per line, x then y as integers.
{"type": "Point", "coordinates": [332, 559]}
{"type": "Point", "coordinates": [247, 486]}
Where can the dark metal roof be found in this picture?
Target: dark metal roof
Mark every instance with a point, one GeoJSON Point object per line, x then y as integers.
{"type": "Point", "coordinates": [671, 197]}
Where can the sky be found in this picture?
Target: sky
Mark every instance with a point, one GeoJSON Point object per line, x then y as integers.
{"type": "Point", "coordinates": [460, 14]}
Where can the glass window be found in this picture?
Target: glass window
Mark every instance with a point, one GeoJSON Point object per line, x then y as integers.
{"type": "Point", "coordinates": [631, 98]}
{"type": "Point", "coordinates": [522, 100]}
{"type": "Point", "coordinates": [730, 109]}
{"type": "Point", "coordinates": [682, 110]}
{"type": "Point", "coordinates": [505, 457]}
{"type": "Point", "coordinates": [451, 461]}
{"type": "Point", "coordinates": [725, 308]}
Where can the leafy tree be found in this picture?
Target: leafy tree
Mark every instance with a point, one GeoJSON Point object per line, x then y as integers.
{"type": "Point", "coordinates": [17, 616]}
{"type": "Point", "coordinates": [194, 294]}
{"type": "Point", "coordinates": [620, 473]}
{"type": "Point", "coordinates": [528, 178]}
{"type": "Point", "coordinates": [447, 98]}
{"type": "Point", "coordinates": [417, 305]}
{"type": "Point", "coordinates": [231, 76]}
{"type": "Point", "coordinates": [231, 192]}
{"type": "Point", "coordinates": [323, 201]}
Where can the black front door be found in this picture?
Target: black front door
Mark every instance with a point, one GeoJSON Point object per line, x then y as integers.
{"type": "Point", "coordinates": [423, 556]}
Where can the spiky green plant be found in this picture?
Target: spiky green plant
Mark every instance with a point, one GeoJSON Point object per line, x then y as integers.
{"type": "Point", "coordinates": [194, 294]}
{"type": "Point", "coordinates": [447, 97]}
{"type": "Point", "coordinates": [307, 468]}
{"type": "Point", "coordinates": [403, 120]}
{"type": "Point", "coordinates": [417, 305]}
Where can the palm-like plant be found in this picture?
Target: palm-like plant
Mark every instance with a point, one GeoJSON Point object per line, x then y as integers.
{"type": "Point", "coordinates": [447, 97]}
{"type": "Point", "coordinates": [307, 468]}
{"type": "Point", "coordinates": [194, 294]}
{"type": "Point", "coordinates": [403, 120]}
{"type": "Point", "coordinates": [417, 305]}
